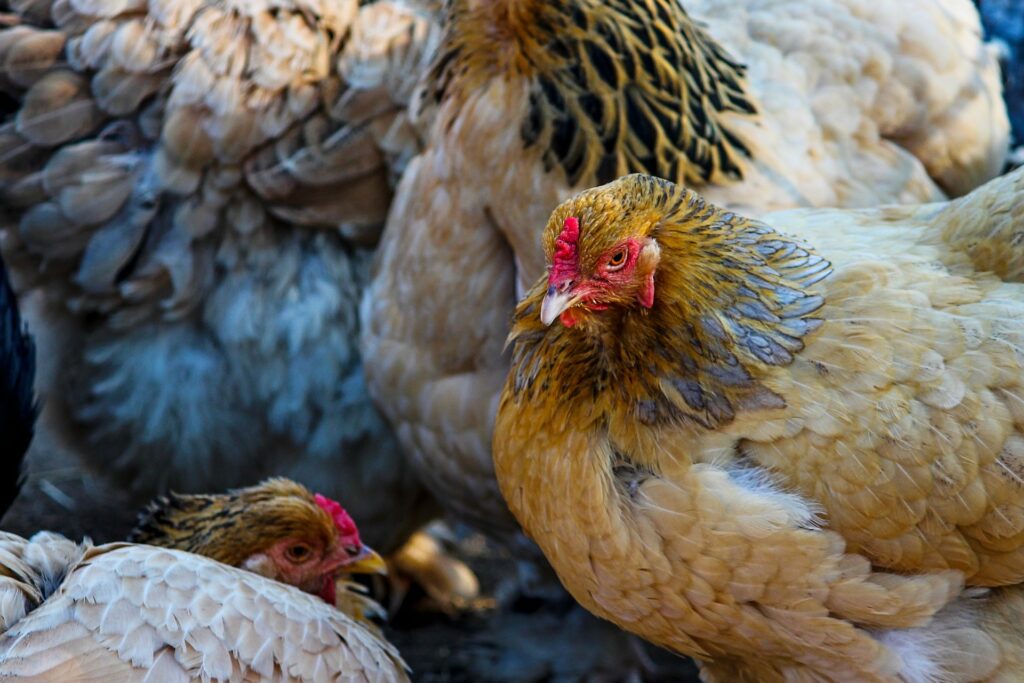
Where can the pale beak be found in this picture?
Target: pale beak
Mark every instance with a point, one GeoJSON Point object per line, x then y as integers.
{"type": "Point", "coordinates": [554, 304]}
{"type": "Point", "coordinates": [366, 562]}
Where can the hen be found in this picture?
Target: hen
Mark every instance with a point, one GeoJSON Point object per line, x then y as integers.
{"type": "Point", "coordinates": [136, 612]}
{"type": "Point", "coordinates": [840, 102]}
{"type": "Point", "coordinates": [779, 447]}
{"type": "Point", "coordinates": [199, 184]}
{"type": "Point", "coordinates": [276, 524]}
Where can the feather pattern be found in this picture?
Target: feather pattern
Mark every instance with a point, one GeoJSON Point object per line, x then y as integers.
{"type": "Point", "coordinates": [196, 185]}
{"type": "Point", "coordinates": [137, 613]}
{"type": "Point", "coordinates": [856, 460]}
{"type": "Point", "coordinates": [777, 103]}
{"type": "Point", "coordinates": [615, 86]}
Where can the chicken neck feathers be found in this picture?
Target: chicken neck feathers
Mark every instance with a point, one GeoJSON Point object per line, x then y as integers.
{"type": "Point", "coordinates": [278, 508]}
{"type": "Point", "coordinates": [615, 86]}
{"type": "Point", "coordinates": [738, 302]}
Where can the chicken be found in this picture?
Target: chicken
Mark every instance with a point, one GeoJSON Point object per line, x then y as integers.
{"type": "Point", "coordinates": [838, 102]}
{"type": "Point", "coordinates": [281, 518]}
{"type": "Point", "coordinates": [191, 191]}
{"type": "Point", "coordinates": [137, 613]}
{"type": "Point", "coordinates": [780, 447]}
{"type": "Point", "coordinates": [17, 403]}
{"type": "Point", "coordinates": [90, 609]}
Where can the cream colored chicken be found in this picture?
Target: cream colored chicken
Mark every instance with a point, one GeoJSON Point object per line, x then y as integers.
{"type": "Point", "coordinates": [758, 104]}
{"type": "Point", "coordinates": [191, 191]}
{"type": "Point", "coordinates": [781, 447]}
{"type": "Point", "coordinates": [119, 612]}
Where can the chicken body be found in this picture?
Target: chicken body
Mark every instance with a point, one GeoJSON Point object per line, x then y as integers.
{"type": "Point", "coordinates": [122, 612]}
{"type": "Point", "coordinates": [781, 449]}
{"type": "Point", "coordinates": [199, 184]}
{"type": "Point", "coordinates": [531, 101]}
{"type": "Point", "coordinates": [177, 609]}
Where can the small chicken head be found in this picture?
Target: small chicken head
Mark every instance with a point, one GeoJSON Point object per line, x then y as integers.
{"type": "Point", "coordinates": [601, 253]}
{"type": "Point", "coordinates": [277, 529]}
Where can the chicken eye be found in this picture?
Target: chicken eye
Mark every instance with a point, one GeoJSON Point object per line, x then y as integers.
{"type": "Point", "coordinates": [298, 552]}
{"type": "Point", "coordinates": [616, 260]}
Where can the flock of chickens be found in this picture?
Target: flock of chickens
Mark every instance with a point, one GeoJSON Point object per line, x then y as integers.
{"type": "Point", "coordinates": [761, 402]}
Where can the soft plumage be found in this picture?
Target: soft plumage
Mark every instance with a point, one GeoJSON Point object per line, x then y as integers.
{"type": "Point", "coordinates": [783, 446]}
{"type": "Point", "coordinates": [95, 614]}
{"type": "Point", "coordinates": [137, 613]}
{"type": "Point", "coordinates": [758, 104]}
{"type": "Point", "coordinates": [194, 187]}
{"type": "Point", "coordinates": [17, 400]}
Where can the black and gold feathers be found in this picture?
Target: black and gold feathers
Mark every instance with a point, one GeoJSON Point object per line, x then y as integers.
{"type": "Point", "coordinates": [257, 517]}
{"type": "Point", "coordinates": [617, 86]}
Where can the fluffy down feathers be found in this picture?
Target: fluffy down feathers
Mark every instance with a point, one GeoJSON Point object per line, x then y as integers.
{"type": "Point", "coordinates": [137, 613]}
{"type": "Point", "coordinates": [734, 471]}
{"type": "Point", "coordinates": [760, 105]}
{"type": "Point", "coordinates": [198, 183]}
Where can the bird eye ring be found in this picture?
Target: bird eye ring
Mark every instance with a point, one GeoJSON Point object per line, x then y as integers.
{"type": "Point", "coordinates": [298, 553]}
{"type": "Point", "coordinates": [616, 260]}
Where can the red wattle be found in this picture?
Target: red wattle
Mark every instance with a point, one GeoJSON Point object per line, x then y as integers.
{"type": "Point", "coordinates": [328, 591]}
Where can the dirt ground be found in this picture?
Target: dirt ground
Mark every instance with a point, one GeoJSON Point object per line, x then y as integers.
{"type": "Point", "coordinates": [484, 645]}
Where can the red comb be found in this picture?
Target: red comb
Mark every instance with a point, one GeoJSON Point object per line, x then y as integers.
{"type": "Point", "coordinates": [344, 523]}
{"type": "Point", "coordinates": [564, 263]}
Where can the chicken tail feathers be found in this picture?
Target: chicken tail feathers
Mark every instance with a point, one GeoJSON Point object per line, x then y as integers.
{"type": "Point", "coordinates": [18, 407]}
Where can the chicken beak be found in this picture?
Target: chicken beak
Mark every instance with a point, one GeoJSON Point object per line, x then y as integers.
{"type": "Point", "coordinates": [368, 561]}
{"type": "Point", "coordinates": [555, 302]}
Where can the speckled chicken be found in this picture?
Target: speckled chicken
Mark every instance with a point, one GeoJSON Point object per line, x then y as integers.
{"type": "Point", "coordinates": [781, 447]}
{"type": "Point", "coordinates": [191, 191]}
{"type": "Point", "coordinates": [183, 611]}
{"type": "Point", "coordinates": [760, 104]}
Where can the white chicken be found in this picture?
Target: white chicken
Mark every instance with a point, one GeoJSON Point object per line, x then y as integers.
{"type": "Point", "coordinates": [135, 613]}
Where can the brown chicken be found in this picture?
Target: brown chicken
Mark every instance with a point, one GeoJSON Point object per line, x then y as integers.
{"type": "Point", "coordinates": [127, 612]}
{"type": "Point", "coordinates": [272, 529]}
{"type": "Point", "coordinates": [762, 104]}
{"type": "Point", "coordinates": [778, 447]}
